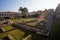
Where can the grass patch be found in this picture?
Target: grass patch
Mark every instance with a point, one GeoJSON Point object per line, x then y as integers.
{"type": "Point", "coordinates": [2, 35]}
{"type": "Point", "coordinates": [8, 27]}
{"type": "Point", "coordinates": [17, 34]}
{"type": "Point", "coordinates": [25, 31]}
{"type": "Point", "coordinates": [24, 20]}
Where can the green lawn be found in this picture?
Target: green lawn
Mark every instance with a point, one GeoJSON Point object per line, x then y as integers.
{"type": "Point", "coordinates": [17, 34]}
{"type": "Point", "coordinates": [24, 19]}
{"type": "Point", "coordinates": [8, 27]}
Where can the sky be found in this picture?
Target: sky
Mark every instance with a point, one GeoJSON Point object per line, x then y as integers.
{"type": "Point", "coordinates": [32, 5]}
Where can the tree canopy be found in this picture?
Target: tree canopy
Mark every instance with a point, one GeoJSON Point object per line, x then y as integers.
{"type": "Point", "coordinates": [23, 9]}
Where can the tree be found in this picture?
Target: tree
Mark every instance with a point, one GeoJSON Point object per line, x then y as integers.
{"type": "Point", "coordinates": [20, 9]}
{"type": "Point", "coordinates": [23, 11]}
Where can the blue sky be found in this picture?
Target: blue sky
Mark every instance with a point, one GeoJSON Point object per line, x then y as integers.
{"type": "Point", "coordinates": [32, 5]}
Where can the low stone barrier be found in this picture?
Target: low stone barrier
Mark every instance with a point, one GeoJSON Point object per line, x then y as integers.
{"type": "Point", "coordinates": [38, 31]}
{"type": "Point", "coordinates": [8, 37]}
{"type": "Point", "coordinates": [2, 29]}
{"type": "Point", "coordinates": [28, 37]}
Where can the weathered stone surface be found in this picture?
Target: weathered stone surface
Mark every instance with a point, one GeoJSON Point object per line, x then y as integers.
{"type": "Point", "coordinates": [8, 37]}
{"type": "Point", "coordinates": [57, 11]}
{"type": "Point", "coordinates": [28, 37]}
{"type": "Point", "coordinates": [2, 29]}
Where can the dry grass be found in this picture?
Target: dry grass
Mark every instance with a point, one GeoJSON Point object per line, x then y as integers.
{"type": "Point", "coordinates": [31, 24]}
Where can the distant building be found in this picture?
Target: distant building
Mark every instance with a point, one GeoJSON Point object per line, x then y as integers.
{"type": "Point", "coordinates": [32, 13]}
{"type": "Point", "coordinates": [9, 14]}
{"type": "Point", "coordinates": [57, 12]}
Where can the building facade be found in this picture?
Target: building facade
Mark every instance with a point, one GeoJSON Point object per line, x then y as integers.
{"type": "Point", "coordinates": [9, 14]}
